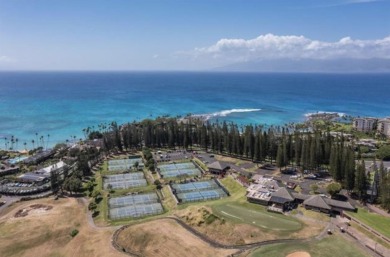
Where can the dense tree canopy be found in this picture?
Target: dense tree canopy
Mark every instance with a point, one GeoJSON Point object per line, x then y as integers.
{"type": "Point", "coordinates": [383, 153]}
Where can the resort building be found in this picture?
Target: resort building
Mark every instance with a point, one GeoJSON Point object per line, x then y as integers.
{"type": "Point", "coordinates": [57, 167]}
{"type": "Point", "coordinates": [277, 198]}
{"type": "Point", "coordinates": [34, 178]}
{"type": "Point", "coordinates": [384, 126]}
{"type": "Point", "coordinates": [39, 157]}
{"type": "Point", "coordinates": [364, 124]}
{"type": "Point", "coordinates": [326, 205]}
{"type": "Point", "coordinates": [42, 176]}
{"type": "Point", "coordinates": [218, 168]}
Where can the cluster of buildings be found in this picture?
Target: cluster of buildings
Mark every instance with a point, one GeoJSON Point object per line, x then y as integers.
{"type": "Point", "coordinates": [368, 124]}
{"type": "Point", "coordinates": [42, 176]}
{"type": "Point", "coordinates": [278, 198]}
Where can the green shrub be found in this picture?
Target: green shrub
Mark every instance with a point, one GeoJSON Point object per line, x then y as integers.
{"type": "Point", "coordinates": [210, 219]}
{"type": "Point", "coordinates": [92, 206]}
{"type": "Point", "coordinates": [74, 233]}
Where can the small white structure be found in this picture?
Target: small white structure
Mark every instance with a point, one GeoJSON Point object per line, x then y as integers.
{"type": "Point", "coordinates": [58, 167]}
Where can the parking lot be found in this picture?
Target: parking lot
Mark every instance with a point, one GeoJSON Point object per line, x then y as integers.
{"type": "Point", "coordinates": [15, 188]}
{"type": "Point", "coordinates": [171, 155]}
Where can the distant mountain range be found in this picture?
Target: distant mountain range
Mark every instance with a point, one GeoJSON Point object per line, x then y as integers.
{"type": "Point", "coordinates": [311, 65]}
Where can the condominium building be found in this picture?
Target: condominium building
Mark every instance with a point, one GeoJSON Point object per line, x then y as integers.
{"type": "Point", "coordinates": [384, 126]}
{"type": "Point", "coordinates": [364, 124]}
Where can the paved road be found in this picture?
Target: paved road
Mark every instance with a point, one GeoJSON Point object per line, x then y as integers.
{"type": "Point", "coordinates": [360, 239]}
{"type": "Point", "coordinates": [9, 200]}
{"type": "Point", "coordinates": [375, 209]}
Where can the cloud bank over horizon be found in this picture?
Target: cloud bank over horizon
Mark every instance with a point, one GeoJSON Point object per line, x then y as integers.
{"type": "Point", "coordinates": [272, 47]}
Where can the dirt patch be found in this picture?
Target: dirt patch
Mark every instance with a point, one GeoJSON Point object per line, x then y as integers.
{"type": "Point", "coordinates": [310, 229]}
{"type": "Point", "coordinates": [37, 208]}
{"type": "Point", "coordinates": [46, 231]}
{"type": "Point", "coordinates": [299, 254]}
{"type": "Point", "coordinates": [166, 238]}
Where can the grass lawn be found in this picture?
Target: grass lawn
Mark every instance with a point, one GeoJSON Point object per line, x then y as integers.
{"type": "Point", "coordinates": [329, 247]}
{"type": "Point", "coordinates": [235, 189]}
{"type": "Point", "coordinates": [201, 164]}
{"type": "Point", "coordinates": [313, 214]}
{"type": "Point", "coordinates": [370, 235]}
{"type": "Point", "coordinates": [168, 202]}
{"type": "Point", "coordinates": [375, 221]}
{"type": "Point", "coordinates": [256, 215]}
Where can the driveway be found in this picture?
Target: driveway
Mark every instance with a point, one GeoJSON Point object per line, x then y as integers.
{"type": "Point", "coordinates": [9, 200]}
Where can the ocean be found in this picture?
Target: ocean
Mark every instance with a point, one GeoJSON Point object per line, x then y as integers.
{"type": "Point", "coordinates": [61, 104]}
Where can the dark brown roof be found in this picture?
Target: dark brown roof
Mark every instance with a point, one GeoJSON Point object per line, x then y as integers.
{"type": "Point", "coordinates": [217, 166]}
{"type": "Point", "coordinates": [300, 196]}
{"type": "Point", "coordinates": [340, 204]}
{"type": "Point", "coordinates": [282, 196]}
{"type": "Point", "coordinates": [317, 201]}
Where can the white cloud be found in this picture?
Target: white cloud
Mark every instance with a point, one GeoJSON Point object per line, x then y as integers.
{"type": "Point", "coordinates": [271, 46]}
{"type": "Point", "coordinates": [6, 59]}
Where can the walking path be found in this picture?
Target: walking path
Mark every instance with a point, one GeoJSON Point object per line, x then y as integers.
{"type": "Point", "coordinates": [9, 201]}
{"type": "Point", "coordinates": [377, 210]}
{"type": "Point", "coordinates": [213, 243]}
{"type": "Point", "coordinates": [361, 239]}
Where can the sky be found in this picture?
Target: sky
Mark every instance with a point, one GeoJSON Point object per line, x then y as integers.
{"type": "Point", "coordinates": [187, 35]}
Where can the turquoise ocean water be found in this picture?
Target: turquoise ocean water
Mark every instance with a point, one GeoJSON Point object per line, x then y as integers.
{"type": "Point", "coordinates": [61, 104]}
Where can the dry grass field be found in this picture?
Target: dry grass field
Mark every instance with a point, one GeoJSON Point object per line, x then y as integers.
{"type": "Point", "coordinates": [42, 228]}
{"type": "Point", "coordinates": [229, 231]}
{"type": "Point", "coordinates": [166, 238]}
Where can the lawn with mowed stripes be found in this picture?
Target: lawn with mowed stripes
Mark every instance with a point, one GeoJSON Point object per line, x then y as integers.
{"type": "Point", "coordinates": [256, 215]}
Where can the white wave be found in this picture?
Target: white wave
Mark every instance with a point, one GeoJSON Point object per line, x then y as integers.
{"type": "Point", "coordinates": [224, 113]}
{"type": "Point", "coordinates": [340, 114]}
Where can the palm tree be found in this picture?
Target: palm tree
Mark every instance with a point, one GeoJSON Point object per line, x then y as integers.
{"type": "Point", "coordinates": [41, 139]}
{"type": "Point", "coordinates": [33, 143]}
{"type": "Point", "coordinates": [47, 142]}
{"type": "Point", "coordinates": [25, 145]}
{"type": "Point", "coordinates": [16, 140]}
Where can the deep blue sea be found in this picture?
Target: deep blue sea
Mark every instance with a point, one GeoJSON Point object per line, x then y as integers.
{"type": "Point", "coordinates": [61, 104]}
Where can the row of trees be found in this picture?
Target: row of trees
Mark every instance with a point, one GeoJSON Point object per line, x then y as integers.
{"type": "Point", "coordinates": [71, 180]}
{"type": "Point", "coordinates": [12, 142]}
{"type": "Point", "coordinates": [284, 146]}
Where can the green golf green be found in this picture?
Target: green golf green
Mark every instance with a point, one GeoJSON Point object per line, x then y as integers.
{"type": "Point", "coordinates": [328, 247]}
{"type": "Point", "coordinates": [257, 216]}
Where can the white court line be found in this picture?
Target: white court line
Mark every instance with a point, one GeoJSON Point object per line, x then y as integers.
{"type": "Point", "coordinates": [231, 215]}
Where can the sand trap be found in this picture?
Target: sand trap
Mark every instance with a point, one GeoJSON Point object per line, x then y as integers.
{"type": "Point", "coordinates": [299, 254]}
{"type": "Point", "coordinates": [33, 209]}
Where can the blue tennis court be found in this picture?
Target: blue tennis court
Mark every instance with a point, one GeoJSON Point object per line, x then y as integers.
{"type": "Point", "coordinates": [126, 184]}
{"type": "Point", "coordinates": [123, 164]}
{"type": "Point", "coordinates": [178, 169]}
{"type": "Point", "coordinates": [135, 206]}
{"type": "Point", "coordinates": [136, 211]}
{"type": "Point", "coordinates": [201, 195]}
{"type": "Point", "coordinates": [198, 191]}
{"type": "Point", "coordinates": [133, 200]}
{"type": "Point", "coordinates": [195, 186]}
{"type": "Point", "coordinates": [123, 177]}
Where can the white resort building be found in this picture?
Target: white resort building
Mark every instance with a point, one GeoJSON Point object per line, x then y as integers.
{"type": "Point", "coordinates": [364, 124]}
{"type": "Point", "coordinates": [384, 126]}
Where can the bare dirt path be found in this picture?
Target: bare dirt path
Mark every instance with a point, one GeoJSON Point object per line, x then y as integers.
{"type": "Point", "coordinates": [211, 242]}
